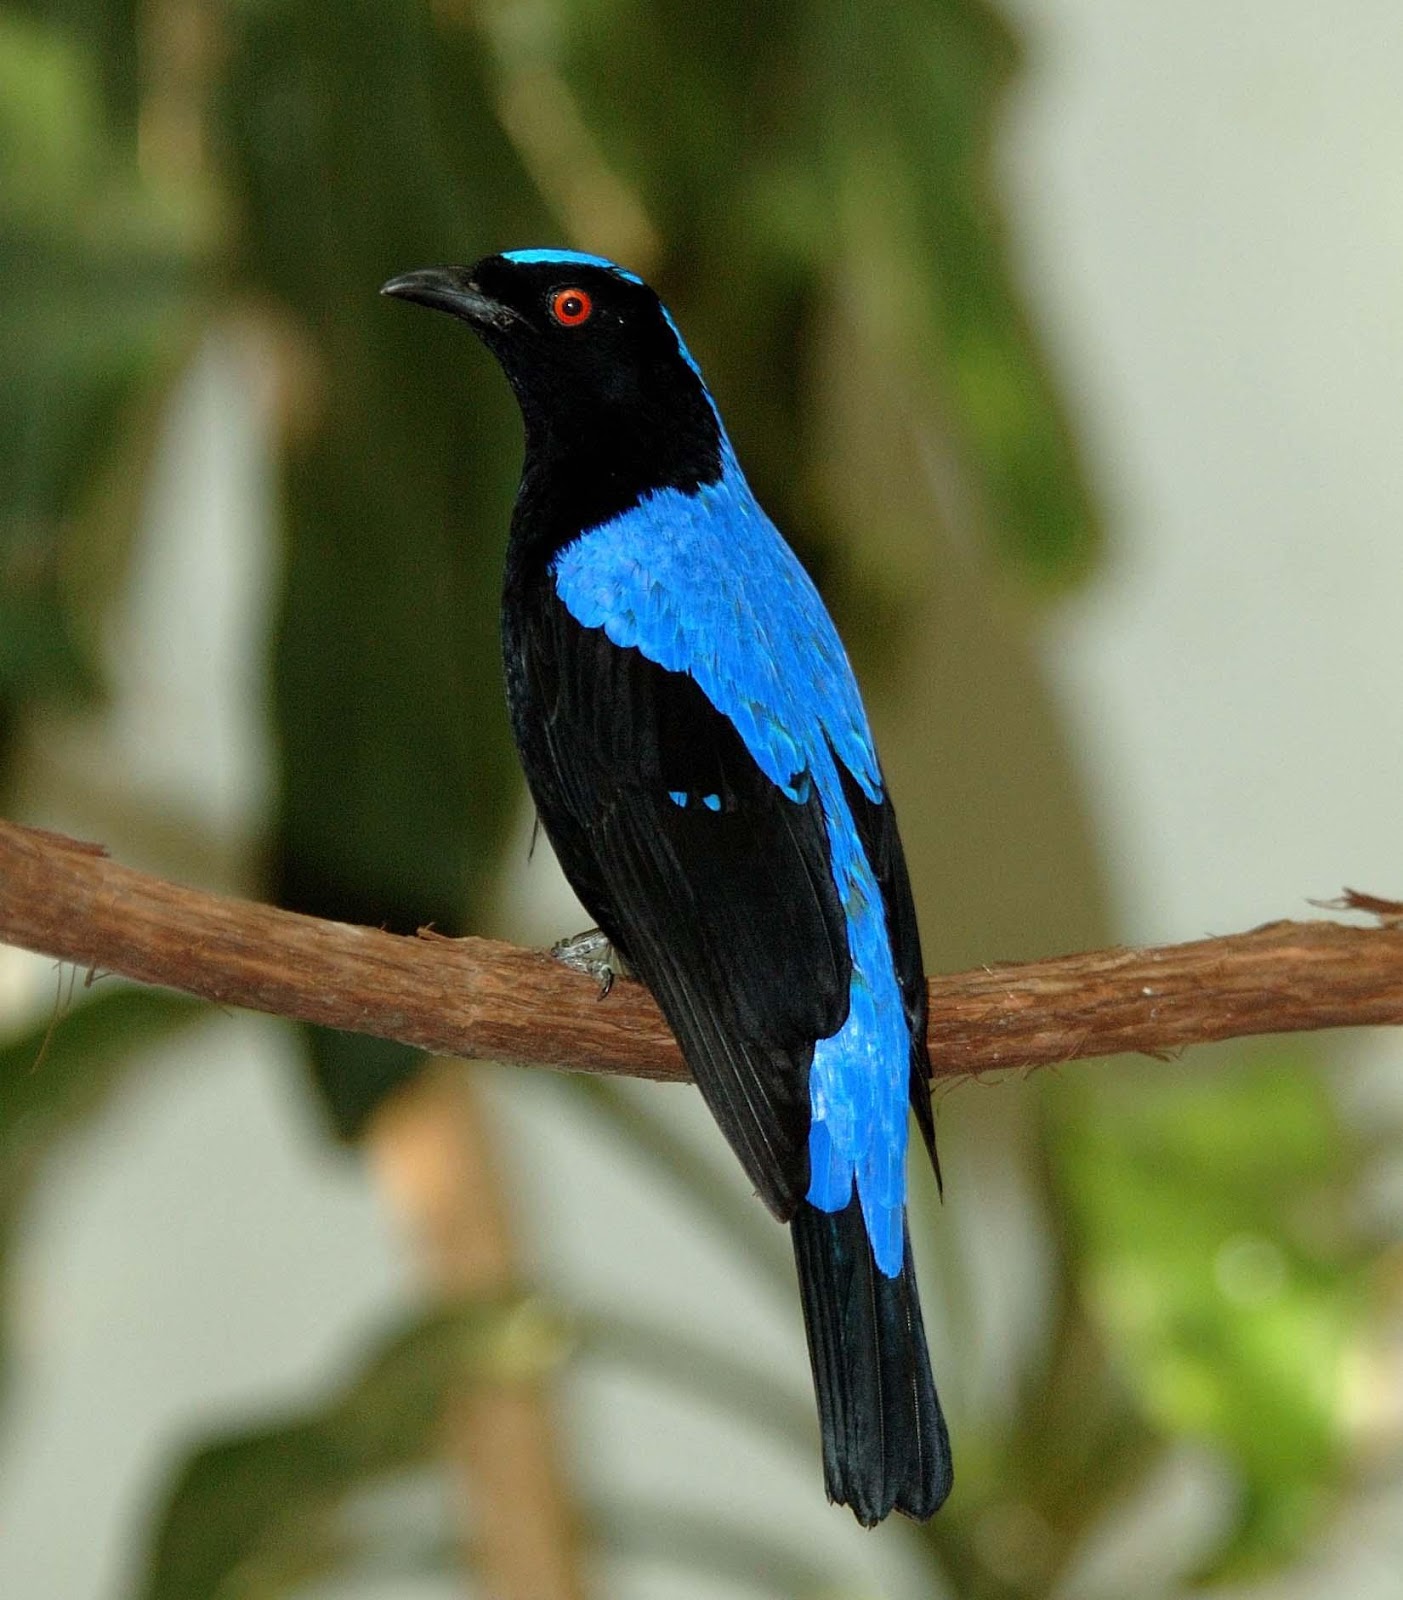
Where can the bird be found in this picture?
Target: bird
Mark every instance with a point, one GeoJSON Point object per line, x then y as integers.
{"type": "Point", "coordinates": [696, 746]}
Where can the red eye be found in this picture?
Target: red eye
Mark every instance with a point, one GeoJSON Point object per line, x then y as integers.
{"type": "Point", "coordinates": [571, 307]}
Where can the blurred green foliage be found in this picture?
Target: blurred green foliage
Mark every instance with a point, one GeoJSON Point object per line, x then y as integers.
{"type": "Point", "coordinates": [257, 1513]}
{"type": "Point", "coordinates": [57, 1078]}
{"type": "Point", "coordinates": [1222, 1260]}
{"type": "Point", "coordinates": [810, 185]}
{"type": "Point", "coordinates": [96, 267]}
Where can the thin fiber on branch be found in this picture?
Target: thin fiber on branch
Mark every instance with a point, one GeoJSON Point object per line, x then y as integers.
{"type": "Point", "coordinates": [479, 997]}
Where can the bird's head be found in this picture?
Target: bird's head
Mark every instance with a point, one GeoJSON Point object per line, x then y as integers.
{"type": "Point", "coordinates": [610, 394]}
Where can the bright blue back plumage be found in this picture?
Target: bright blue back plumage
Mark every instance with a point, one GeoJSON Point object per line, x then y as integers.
{"type": "Point", "coordinates": [655, 626]}
{"type": "Point", "coordinates": [702, 583]}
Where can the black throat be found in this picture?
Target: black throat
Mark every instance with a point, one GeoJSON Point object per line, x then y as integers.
{"type": "Point", "coordinates": [591, 460]}
{"type": "Point", "coordinates": [593, 450]}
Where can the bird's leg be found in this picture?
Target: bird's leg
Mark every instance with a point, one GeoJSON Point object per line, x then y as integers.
{"type": "Point", "coordinates": [591, 953]}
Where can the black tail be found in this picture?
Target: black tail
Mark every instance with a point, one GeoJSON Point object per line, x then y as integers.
{"type": "Point", "coordinates": [885, 1445]}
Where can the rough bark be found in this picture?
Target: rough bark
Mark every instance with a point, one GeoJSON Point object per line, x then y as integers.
{"type": "Point", "coordinates": [479, 997]}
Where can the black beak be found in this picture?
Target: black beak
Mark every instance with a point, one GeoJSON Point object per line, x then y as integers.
{"type": "Point", "coordinates": [450, 289]}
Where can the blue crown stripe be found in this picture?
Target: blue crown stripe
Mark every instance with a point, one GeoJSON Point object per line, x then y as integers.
{"type": "Point", "coordinates": [569, 258]}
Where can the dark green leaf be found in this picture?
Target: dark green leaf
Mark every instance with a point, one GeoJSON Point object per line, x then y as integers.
{"type": "Point", "coordinates": [358, 144]}
{"type": "Point", "coordinates": [97, 268]}
{"type": "Point", "coordinates": [253, 1513]}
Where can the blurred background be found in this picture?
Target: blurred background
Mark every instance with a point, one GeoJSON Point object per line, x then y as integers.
{"type": "Point", "coordinates": [1064, 342]}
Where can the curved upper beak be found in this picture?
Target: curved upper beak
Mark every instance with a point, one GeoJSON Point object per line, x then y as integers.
{"type": "Point", "coordinates": [450, 289]}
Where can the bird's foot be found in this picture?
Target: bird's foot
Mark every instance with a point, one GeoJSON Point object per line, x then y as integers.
{"type": "Point", "coordinates": [592, 954]}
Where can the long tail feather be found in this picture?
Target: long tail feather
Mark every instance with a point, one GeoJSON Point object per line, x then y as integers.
{"type": "Point", "coordinates": [885, 1445]}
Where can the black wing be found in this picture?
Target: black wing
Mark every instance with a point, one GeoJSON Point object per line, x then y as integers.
{"type": "Point", "coordinates": [727, 910]}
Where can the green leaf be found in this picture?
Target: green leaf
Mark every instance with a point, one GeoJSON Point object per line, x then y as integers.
{"type": "Point", "coordinates": [1214, 1210]}
{"type": "Point", "coordinates": [58, 1072]}
{"type": "Point", "coordinates": [55, 1076]}
{"type": "Point", "coordinates": [97, 266]}
{"type": "Point", "coordinates": [253, 1513]}
{"type": "Point", "coordinates": [359, 141]}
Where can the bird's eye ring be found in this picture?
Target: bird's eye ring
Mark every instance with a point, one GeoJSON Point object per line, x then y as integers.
{"type": "Point", "coordinates": [571, 307]}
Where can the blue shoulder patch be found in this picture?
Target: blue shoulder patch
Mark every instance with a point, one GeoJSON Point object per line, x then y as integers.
{"type": "Point", "coordinates": [702, 583]}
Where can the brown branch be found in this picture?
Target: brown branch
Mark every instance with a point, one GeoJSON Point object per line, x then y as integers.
{"type": "Point", "coordinates": [478, 997]}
